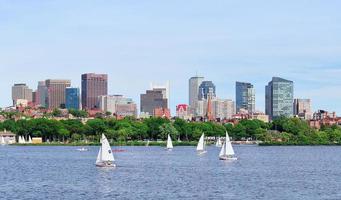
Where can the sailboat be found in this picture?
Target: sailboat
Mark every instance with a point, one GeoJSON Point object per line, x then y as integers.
{"type": "Point", "coordinates": [218, 143]}
{"type": "Point", "coordinates": [29, 140]}
{"type": "Point", "coordinates": [201, 148]}
{"type": "Point", "coordinates": [2, 140]}
{"type": "Point", "coordinates": [105, 158]}
{"type": "Point", "coordinates": [169, 143]}
{"type": "Point", "coordinates": [226, 152]}
{"type": "Point", "coordinates": [147, 144]}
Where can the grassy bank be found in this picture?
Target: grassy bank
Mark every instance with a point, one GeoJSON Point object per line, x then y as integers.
{"type": "Point", "coordinates": [127, 143]}
{"type": "Point", "coordinates": [298, 144]}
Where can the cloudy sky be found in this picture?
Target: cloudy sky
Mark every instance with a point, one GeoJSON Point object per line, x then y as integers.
{"type": "Point", "coordinates": [137, 42]}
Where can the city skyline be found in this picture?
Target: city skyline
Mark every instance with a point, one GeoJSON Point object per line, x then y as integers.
{"type": "Point", "coordinates": [161, 42]}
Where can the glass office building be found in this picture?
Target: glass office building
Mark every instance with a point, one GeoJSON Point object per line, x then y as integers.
{"type": "Point", "coordinates": [245, 97]}
{"type": "Point", "coordinates": [279, 96]}
{"type": "Point", "coordinates": [72, 99]}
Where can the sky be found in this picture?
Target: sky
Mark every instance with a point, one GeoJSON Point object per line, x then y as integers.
{"type": "Point", "coordinates": [138, 42]}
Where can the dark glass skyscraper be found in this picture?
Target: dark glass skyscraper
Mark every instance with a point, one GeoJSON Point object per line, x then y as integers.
{"type": "Point", "coordinates": [93, 86]}
{"type": "Point", "coordinates": [72, 98]}
{"type": "Point", "coordinates": [279, 97]}
{"type": "Point", "coordinates": [245, 97]}
{"type": "Point", "coordinates": [206, 89]}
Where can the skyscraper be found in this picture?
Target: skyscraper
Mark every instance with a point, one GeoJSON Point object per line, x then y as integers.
{"type": "Point", "coordinates": [206, 89]}
{"type": "Point", "coordinates": [245, 97]}
{"type": "Point", "coordinates": [56, 93]}
{"type": "Point", "coordinates": [302, 108]}
{"type": "Point", "coordinates": [41, 94]}
{"type": "Point", "coordinates": [21, 91]}
{"type": "Point", "coordinates": [152, 100]}
{"type": "Point", "coordinates": [72, 98]}
{"type": "Point", "coordinates": [279, 95]}
{"type": "Point", "coordinates": [93, 86]}
{"type": "Point", "coordinates": [193, 93]}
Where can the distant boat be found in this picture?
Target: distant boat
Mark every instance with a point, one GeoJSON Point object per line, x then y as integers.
{"type": "Point", "coordinates": [29, 140]}
{"type": "Point", "coordinates": [2, 140]}
{"type": "Point", "coordinates": [147, 144]}
{"type": "Point", "coordinates": [105, 158]}
{"type": "Point", "coordinates": [82, 149]}
{"type": "Point", "coordinates": [218, 143]}
{"type": "Point", "coordinates": [226, 152]}
{"type": "Point", "coordinates": [21, 139]}
{"type": "Point", "coordinates": [169, 143]}
{"type": "Point", "coordinates": [201, 148]}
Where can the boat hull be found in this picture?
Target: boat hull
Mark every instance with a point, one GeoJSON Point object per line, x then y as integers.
{"type": "Point", "coordinates": [201, 152]}
{"type": "Point", "coordinates": [227, 158]}
{"type": "Point", "coordinates": [105, 164]}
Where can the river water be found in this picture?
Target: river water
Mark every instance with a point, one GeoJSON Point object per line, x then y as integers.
{"type": "Point", "coordinates": [28, 172]}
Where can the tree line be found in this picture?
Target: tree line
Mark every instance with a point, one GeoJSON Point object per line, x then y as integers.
{"type": "Point", "coordinates": [280, 131]}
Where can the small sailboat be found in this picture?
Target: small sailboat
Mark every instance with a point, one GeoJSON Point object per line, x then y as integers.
{"type": "Point", "coordinates": [201, 148]}
{"type": "Point", "coordinates": [105, 158]}
{"type": "Point", "coordinates": [2, 140]}
{"type": "Point", "coordinates": [147, 144]}
{"type": "Point", "coordinates": [29, 140]}
{"type": "Point", "coordinates": [227, 152]}
{"type": "Point", "coordinates": [218, 143]}
{"type": "Point", "coordinates": [169, 143]}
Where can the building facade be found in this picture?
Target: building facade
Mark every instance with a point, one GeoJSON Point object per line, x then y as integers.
{"type": "Point", "coordinates": [245, 97]}
{"type": "Point", "coordinates": [56, 93]}
{"type": "Point", "coordinates": [223, 108]}
{"type": "Point", "coordinates": [117, 105]}
{"type": "Point", "coordinates": [93, 86]}
{"type": "Point", "coordinates": [207, 90]}
{"type": "Point", "coordinates": [151, 100]}
{"type": "Point", "coordinates": [182, 112]}
{"type": "Point", "coordinates": [72, 100]}
{"type": "Point", "coordinates": [279, 96]}
{"type": "Point", "coordinates": [41, 98]}
{"type": "Point", "coordinates": [193, 93]}
{"type": "Point", "coordinates": [302, 108]}
{"type": "Point", "coordinates": [21, 91]}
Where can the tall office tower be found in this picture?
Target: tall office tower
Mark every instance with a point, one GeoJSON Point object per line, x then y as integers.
{"type": "Point", "coordinates": [72, 98]}
{"type": "Point", "coordinates": [245, 97]}
{"type": "Point", "coordinates": [153, 99]}
{"type": "Point", "coordinates": [279, 95]}
{"type": "Point", "coordinates": [193, 93]}
{"type": "Point", "coordinates": [163, 88]}
{"type": "Point", "coordinates": [21, 91]}
{"type": "Point", "coordinates": [206, 89]}
{"type": "Point", "coordinates": [118, 105]}
{"type": "Point", "coordinates": [41, 94]}
{"type": "Point", "coordinates": [302, 108]}
{"type": "Point", "coordinates": [56, 93]}
{"type": "Point", "coordinates": [93, 86]}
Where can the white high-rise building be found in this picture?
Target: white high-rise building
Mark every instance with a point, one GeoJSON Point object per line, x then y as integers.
{"type": "Point", "coordinates": [21, 91]}
{"type": "Point", "coordinates": [118, 105]}
{"type": "Point", "coordinates": [194, 84]}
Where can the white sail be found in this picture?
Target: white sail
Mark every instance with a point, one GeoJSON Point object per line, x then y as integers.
{"type": "Point", "coordinates": [218, 143]}
{"type": "Point", "coordinates": [228, 149]}
{"type": "Point", "coordinates": [223, 150]}
{"type": "Point", "coordinates": [20, 139]}
{"type": "Point", "coordinates": [106, 154]}
{"type": "Point", "coordinates": [98, 160]}
{"type": "Point", "coordinates": [29, 140]}
{"type": "Point", "coordinates": [23, 140]}
{"type": "Point", "coordinates": [201, 144]}
{"type": "Point", "coordinates": [2, 140]}
{"type": "Point", "coordinates": [169, 142]}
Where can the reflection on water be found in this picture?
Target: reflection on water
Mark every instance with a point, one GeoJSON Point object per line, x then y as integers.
{"type": "Point", "coordinates": [154, 173]}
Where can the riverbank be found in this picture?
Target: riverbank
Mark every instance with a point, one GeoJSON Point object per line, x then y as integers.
{"type": "Point", "coordinates": [297, 144]}
{"type": "Point", "coordinates": [128, 143]}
